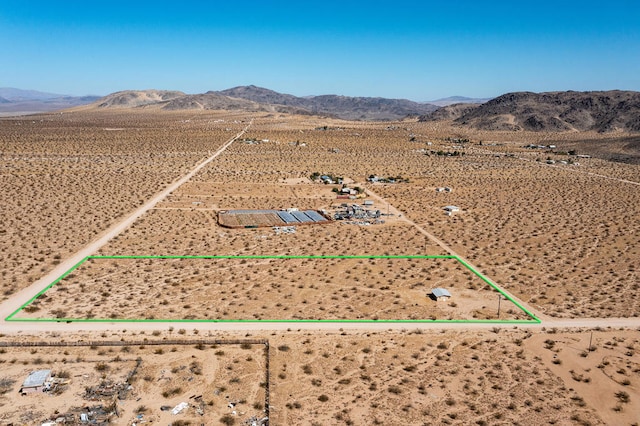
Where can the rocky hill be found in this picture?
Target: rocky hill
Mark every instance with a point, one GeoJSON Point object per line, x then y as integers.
{"type": "Point", "coordinates": [137, 98]}
{"type": "Point", "coordinates": [449, 112]}
{"type": "Point", "coordinates": [252, 98]}
{"type": "Point", "coordinates": [263, 96]}
{"type": "Point", "coordinates": [176, 101]}
{"type": "Point", "coordinates": [346, 107]}
{"type": "Point", "coordinates": [553, 111]}
{"type": "Point", "coordinates": [362, 108]}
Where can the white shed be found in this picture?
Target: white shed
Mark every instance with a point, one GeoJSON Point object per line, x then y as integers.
{"type": "Point", "coordinates": [35, 381]}
{"type": "Point", "coordinates": [441, 294]}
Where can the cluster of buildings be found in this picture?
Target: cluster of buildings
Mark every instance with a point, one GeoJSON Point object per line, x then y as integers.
{"type": "Point", "coordinates": [534, 146]}
{"type": "Point", "coordinates": [284, 230]}
{"type": "Point", "coordinates": [330, 180]}
{"type": "Point", "coordinates": [356, 211]}
{"type": "Point", "coordinates": [254, 141]}
{"type": "Point", "coordinates": [380, 179]}
{"type": "Point", "coordinates": [348, 191]}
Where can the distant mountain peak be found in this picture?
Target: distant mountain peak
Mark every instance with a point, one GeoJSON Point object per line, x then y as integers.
{"type": "Point", "coordinates": [12, 94]}
{"type": "Point", "coordinates": [458, 100]}
{"type": "Point", "coordinates": [136, 98]}
{"type": "Point", "coordinates": [19, 102]}
{"type": "Point", "coordinates": [608, 111]}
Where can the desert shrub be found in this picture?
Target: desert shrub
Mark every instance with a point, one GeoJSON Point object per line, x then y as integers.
{"type": "Point", "coordinates": [63, 374]}
{"type": "Point", "coordinates": [6, 385]}
{"type": "Point", "coordinates": [101, 366]}
{"type": "Point", "coordinates": [623, 396]}
{"type": "Point", "coordinates": [394, 389]}
{"type": "Point", "coordinates": [171, 392]}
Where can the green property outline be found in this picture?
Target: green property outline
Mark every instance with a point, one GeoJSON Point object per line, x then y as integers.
{"type": "Point", "coordinates": [533, 319]}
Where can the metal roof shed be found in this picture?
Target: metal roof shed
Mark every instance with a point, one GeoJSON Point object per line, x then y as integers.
{"type": "Point", "coordinates": [35, 381]}
{"type": "Point", "coordinates": [451, 208]}
{"type": "Point", "coordinates": [440, 293]}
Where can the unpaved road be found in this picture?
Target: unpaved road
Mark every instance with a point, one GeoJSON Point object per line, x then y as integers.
{"type": "Point", "coordinates": [18, 299]}
{"type": "Point", "coordinates": [21, 297]}
{"type": "Point", "coordinates": [445, 247]}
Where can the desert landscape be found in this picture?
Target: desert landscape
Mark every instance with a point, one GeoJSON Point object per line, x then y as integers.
{"type": "Point", "coordinates": [301, 214]}
{"type": "Point", "coordinates": [554, 228]}
{"type": "Point", "coordinates": [281, 288]}
{"type": "Point", "coordinates": [113, 382]}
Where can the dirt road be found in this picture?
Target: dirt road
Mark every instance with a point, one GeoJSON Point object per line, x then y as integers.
{"type": "Point", "coordinates": [18, 299]}
{"type": "Point", "coordinates": [445, 247]}
{"type": "Point", "coordinates": [21, 297]}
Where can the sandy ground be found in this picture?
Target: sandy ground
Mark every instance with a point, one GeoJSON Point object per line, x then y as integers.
{"type": "Point", "coordinates": [504, 375]}
{"type": "Point", "coordinates": [553, 235]}
{"type": "Point", "coordinates": [132, 382]}
{"type": "Point", "coordinates": [270, 289]}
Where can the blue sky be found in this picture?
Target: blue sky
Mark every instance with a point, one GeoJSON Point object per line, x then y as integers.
{"type": "Point", "coordinates": [419, 50]}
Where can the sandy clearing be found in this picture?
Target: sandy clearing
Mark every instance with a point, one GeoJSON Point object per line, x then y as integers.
{"type": "Point", "coordinates": [21, 297]}
{"type": "Point", "coordinates": [80, 326]}
{"type": "Point", "coordinates": [564, 168]}
{"type": "Point", "coordinates": [17, 299]}
{"type": "Point", "coordinates": [433, 238]}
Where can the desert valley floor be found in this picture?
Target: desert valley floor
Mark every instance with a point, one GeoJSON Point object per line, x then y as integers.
{"type": "Point", "coordinates": [541, 260]}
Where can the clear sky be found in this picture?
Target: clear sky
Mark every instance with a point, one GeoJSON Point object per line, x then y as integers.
{"type": "Point", "coordinates": [419, 50]}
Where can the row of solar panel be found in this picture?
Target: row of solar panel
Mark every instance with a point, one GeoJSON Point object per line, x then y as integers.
{"type": "Point", "coordinates": [301, 217]}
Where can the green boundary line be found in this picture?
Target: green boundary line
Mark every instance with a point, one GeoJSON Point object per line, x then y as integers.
{"type": "Point", "coordinates": [533, 319]}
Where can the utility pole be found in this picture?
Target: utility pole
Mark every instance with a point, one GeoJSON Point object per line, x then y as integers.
{"type": "Point", "coordinates": [590, 340]}
{"type": "Point", "coordinates": [499, 299]}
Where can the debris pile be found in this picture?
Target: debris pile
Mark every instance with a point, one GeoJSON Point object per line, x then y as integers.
{"type": "Point", "coordinates": [107, 389]}
{"type": "Point", "coordinates": [255, 421]}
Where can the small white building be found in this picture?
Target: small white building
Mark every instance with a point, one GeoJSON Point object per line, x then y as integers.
{"type": "Point", "coordinates": [451, 209]}
{"type": "Point", "coordinates": [36, 381]}
{"type": "Point", "coordinates": [441, 294]}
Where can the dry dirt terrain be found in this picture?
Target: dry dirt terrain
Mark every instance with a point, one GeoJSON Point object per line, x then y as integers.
{"type": "Point", "coordinates": [270, 289]}
{"type": "Point", "coordinates": [66, 177]}
{"type": "Point", "coordinates": [562, 238]}
{"type": "Point", "coordinates": [128, 383]}
{"type": "Point", "coordinates": [498, 376]}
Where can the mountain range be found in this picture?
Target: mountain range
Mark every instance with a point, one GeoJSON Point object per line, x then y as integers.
{"type": "Point", "coordinates": [603, 111]}
{"type": "Point", "coordinates": [457, 100]}
{"type": "Point", "coordinates": [609, 111]}
{"type": "Point", "coordinates": [18, 101]}
{"type": "Point", "coordinates": [253, 98]}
